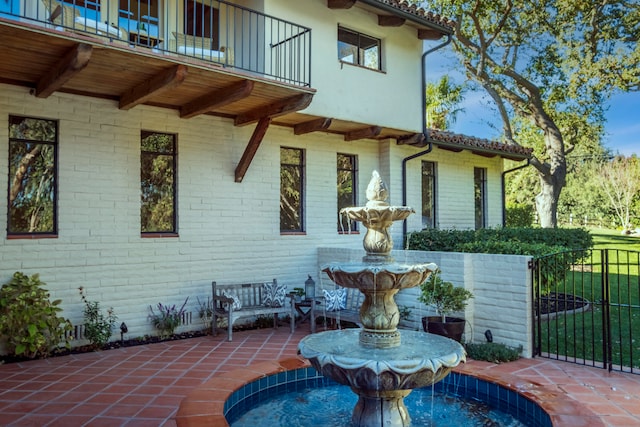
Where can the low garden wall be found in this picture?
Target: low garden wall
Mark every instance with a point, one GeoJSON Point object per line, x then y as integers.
{"type": "Point", "coordinates": [501, 285]}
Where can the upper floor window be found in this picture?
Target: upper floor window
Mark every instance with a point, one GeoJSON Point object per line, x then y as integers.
{"type": "Point", "coordinates": [33, 162]}
{"type": "Point", "coordinates": [359, 49]}
{"type": "Point", "coordinates": [158, 182]}
{"type": "Point", "coordinates": [203, 20]}
{"type": "Point", "coordinates": [139, 17]}
{"type": "Point", "coordinates": [291, 189]}
{"type": "Point", "coordinates": [480, 196]}
{"type": "Point", "coordinates": [428, 194]}
{"type": "Point", "coordinates": [346, 190]}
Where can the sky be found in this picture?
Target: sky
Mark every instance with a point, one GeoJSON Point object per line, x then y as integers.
{"type": "Point", "coordinates": [480, 119]}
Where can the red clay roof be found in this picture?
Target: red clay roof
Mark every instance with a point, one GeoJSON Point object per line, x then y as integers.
{"type": "Point", "coordinates": [456, 142]}
{"type": "Point", "coordinates": [407, 7]}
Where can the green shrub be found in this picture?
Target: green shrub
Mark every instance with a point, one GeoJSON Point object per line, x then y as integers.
{"type": "Point", "coordinates": [97, 326]}
{"type": "Point", "coordinates": [29, 322]}
{"type": "Point", "coordinates": [519, 215]}
{"type": "Point", "coordinates": [573, 243]}
{"type": "Point", "coordinates": [168, 318]}
{"type": "Point", "coordinates": [493, 352]}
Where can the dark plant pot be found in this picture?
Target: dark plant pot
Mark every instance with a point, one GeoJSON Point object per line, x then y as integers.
{"type": "Point", "coordinates": [453, 328]}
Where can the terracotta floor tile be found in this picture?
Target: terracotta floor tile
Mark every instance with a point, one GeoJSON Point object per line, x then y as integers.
{"type": "Point", "coordinates": [144, 385]}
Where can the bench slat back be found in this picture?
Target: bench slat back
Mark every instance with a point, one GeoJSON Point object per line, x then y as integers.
{"type": "Point", "coordinates": [250, 294]}
{"type": "Point", "coordinates": [355, 298]}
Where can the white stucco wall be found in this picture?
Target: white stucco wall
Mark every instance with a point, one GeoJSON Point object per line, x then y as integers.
{"type": "Point", "coordinates": [501, 285]}
{"type": "Point", "coordinates": [228, 232]}
{"type": "Point", "coordinates": [391, 98]}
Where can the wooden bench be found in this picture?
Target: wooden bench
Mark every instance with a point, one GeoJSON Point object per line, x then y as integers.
{"type": "Point", "coordinates": [251, 297]}
{"type": "Point", "coordinates": [351, 312]}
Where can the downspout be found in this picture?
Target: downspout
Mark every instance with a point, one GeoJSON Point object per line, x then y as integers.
{"type": "Point", "coordinates": [424, 126]}
{"type": "Point", "coordinates": [504, 206]}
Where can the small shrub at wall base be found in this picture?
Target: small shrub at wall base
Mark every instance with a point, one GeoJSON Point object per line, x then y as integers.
{"type": "Point", "coordinates": [98, 327]}
{"type": "Point", "coordinates": [493, 352]}
{"type": "Point", "coordinates": [167, 318]}
{"type": "Point", "coordinates": [29, 321]}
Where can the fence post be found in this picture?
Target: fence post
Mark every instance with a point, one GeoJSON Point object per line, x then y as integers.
{"type": "Point", "coordinates": [606, 320]}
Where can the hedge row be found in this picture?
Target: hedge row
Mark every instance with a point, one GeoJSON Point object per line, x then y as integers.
{"type": "Point", "coordinates": [515, 241]}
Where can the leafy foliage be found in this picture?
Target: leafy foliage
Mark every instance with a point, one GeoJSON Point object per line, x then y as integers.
{"type": "Point", "coordinates": [291, 179]}
{"type": "Point", "coordinates": [167, 318]}
{"type": "Point", "coordinates": [443, 296]}
{"type": "Point", "coordinates": [443, 100]}
{"type": "Point", "coordinates": [574, 243]}
{"type": "Point", "coordinates": [493, 352]}
{"type": "Point", "coordinates": [32, 164]}
{"type": "Point", "coordinates": [97, 326]}
{"type": "Point", "coordinates": [519, 215]}
{"type": "Point", "coordinates": [29, 321]}
{"type": "Point", "coordinates": [158, 167]}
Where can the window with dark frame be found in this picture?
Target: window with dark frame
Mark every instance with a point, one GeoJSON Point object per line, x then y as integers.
{"type": "Point", "coordinates": [158, 183]}
{"type": "Point", "coordinates": [359, 49]}
{"type": "Point", "coordinates": [480, 196]}
{"type": "Point", "coordinates": [291, 190]}
{"type": "Point", "coordinates": [346, 169]}
{"type": "Point", "coordinates": [202, 20]}
{"type": "Point", "coordinates": [428, 194]}
{"type": "Point", "coordinates": [33, 165]}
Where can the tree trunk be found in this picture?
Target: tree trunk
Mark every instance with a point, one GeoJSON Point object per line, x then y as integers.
{"type": "Point", "coordinates": [552, 174]}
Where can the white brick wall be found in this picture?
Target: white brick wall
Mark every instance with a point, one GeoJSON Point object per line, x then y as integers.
{"type": "Point", "coordinates": [501, 285]}
{"type": "Point", "coordinates": [228, 232]}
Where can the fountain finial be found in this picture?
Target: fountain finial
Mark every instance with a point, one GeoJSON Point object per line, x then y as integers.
{"type": "Point", "coordinates": [377, 191]}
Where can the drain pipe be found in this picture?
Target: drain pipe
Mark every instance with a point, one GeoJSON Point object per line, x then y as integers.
{"type": "Point", "coordinates": [504, 205]}
{"type": "Point", "coordinates": [424, 126]}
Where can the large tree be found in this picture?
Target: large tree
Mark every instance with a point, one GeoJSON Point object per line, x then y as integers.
{"type": "Point", "coordinates": [621, 183]}
{"type": "Point", "coordinates": [545, 62]}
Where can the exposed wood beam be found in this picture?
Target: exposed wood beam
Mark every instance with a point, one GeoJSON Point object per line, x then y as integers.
{"type": "Point", "coordinates": [484, 154]}
{"type": "Point", "coordinates": [71, 64]}
{"type": "Point", "coordinates": [424, 34]}
{"type": "Point", "coordinates": [252, 147]}
{"type": "Point", "coordinates": [368, 132]}
{"type": "Point", "coordinates": [340, 4]}
{"type": "Point", "coordinates": [278, 108]}
{"type": "Point", "coordinates": [390, 21]}
{"type": "Point", "coordinates": [161, 82]}
{"type": "Point", "coordinates": [315, 125]}
{"type": "Point", "coordinates": [217, 99]}
{"type": "Point", "coordinates": [417, 139]}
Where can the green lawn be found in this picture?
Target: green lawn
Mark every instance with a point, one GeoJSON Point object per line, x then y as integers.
{"type": "Point", "coordinates": [580, 336]}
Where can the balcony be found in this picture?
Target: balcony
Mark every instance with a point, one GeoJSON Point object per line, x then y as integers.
{"type": "Point", "coordinates": [175, 54]}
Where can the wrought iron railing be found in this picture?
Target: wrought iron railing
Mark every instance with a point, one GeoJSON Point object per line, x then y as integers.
{"type": "Point", "coordinates": [214, 31]}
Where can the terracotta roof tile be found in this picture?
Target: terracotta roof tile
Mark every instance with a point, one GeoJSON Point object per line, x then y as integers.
{"type": "Point", "coordinates": [408, 7]}
{"type": "Point", "coordinates": [471, 143]}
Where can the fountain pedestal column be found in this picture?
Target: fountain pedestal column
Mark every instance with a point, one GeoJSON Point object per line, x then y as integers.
{"type": "Point", "coordinates": [381, 408]}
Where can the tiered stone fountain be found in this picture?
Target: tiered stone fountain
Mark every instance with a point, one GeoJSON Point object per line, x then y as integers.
{"type": "Point", "coordinates": [380, 363]}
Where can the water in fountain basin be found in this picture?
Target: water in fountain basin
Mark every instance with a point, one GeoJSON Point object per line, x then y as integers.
{"type": "Point", "coordinates": [331, 407]}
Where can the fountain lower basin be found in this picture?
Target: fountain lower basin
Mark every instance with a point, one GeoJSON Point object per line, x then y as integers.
{"type": "Point", "coordinates": [382, 377]}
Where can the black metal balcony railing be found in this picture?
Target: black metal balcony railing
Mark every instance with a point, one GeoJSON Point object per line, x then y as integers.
{"type": "Point", "coordinates": [213, 31]}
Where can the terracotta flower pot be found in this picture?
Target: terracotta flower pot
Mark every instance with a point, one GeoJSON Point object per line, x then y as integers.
{"type": "Point", "coordinates": [453, 328]}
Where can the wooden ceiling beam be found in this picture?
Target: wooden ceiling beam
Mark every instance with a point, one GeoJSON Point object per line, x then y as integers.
{"type": "Point", "coordinates": [340, 4]}
{"type": "Point", "coordinates": [252, 147]}
{"type": "Point", "coordinates": [390, 21]}
{"type": "Point", "coordinates": [417, 139]}
{"type": "Point", "coordinates": [425, 34]}
{"type": "Point", "coordinates": [368, 132]}
{"type": "Point", "coordinates": [71, 64]}
{"type": "Point", "coordinates": [275, 109]}
{"type": "Point", "coordinates": [315, 125]}
{"type": "Point", "coordinates": [161, 82]}
{"type": "Point", "coordinates": [217, 99]}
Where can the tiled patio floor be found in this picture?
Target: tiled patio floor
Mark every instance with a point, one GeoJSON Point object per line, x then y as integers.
{"type": "Point", "coordinates": [144, 385]}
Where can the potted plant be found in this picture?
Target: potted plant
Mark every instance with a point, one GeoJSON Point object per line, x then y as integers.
{"type": "Point", "coordinates": [298, 294]}
{"type": "Point", "coordinates": [445, 298]}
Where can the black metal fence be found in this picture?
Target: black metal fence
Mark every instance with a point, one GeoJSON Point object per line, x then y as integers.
{"type": "Point", "coordinates": [215, 31]}
{"type": "Point", "coordinates": [587, 308]}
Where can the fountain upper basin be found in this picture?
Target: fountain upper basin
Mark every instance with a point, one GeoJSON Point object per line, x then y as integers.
{"type": "Point", "coordinates": [421, 360]}
{"type": "Point", "coordinates": [378, 277]}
